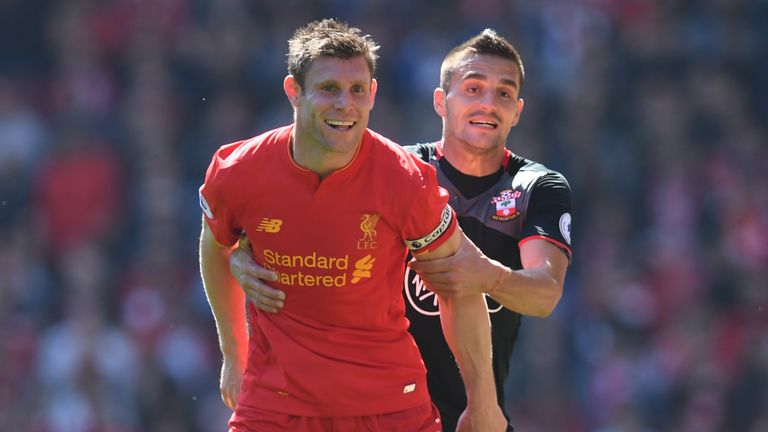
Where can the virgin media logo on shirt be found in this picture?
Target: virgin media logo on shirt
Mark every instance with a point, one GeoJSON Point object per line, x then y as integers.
{"type": "Point", "coordinates": [424, 301]}
{"type": "Point", "coordinates": [419, 297]}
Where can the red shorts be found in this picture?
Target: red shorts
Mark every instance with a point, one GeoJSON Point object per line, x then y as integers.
{"type": "Point", "coordinates": [423, 418]}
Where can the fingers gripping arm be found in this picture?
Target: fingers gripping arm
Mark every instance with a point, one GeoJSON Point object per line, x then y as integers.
{"type": "Point", "coordinates": [253, 279]}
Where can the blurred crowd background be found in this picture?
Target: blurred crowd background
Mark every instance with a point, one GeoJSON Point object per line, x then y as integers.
{"type": "Point", "coordinates": [654, 110]}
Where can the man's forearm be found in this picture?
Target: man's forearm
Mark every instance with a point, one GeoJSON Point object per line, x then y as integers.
{"type": "Point", "coordinates": [226, 299]}
{"type": "Point", "coordinates": [531, 292]}
{"type": "Point", "coordinates": [466, 327]}
{"type": "Point", "coordinates": [536, 289]}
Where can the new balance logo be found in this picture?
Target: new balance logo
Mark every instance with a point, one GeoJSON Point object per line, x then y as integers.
{"type": "Point", "coordinates": [269, 225]}
{"type": "Point", "coordinates": [363, 268]}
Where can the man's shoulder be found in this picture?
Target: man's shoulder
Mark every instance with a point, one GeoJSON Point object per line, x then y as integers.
{"type": "Point", "coordinates": [392, 156]}
{"type": "Point", "coordinates": [520, 164]}
{"type": "Point", "coordinates": [538, 175]}
{"type": "Point", "coordinates": [425, 151]}
{"type": "Point", "coordinates": [244, 150]}
{"type": "Point", "coordinates": [234, 162]}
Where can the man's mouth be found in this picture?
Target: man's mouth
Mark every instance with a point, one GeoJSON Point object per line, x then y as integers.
{"type": "Point", "coordinates": [483, 123]}
{"type": "Point", "coordinates": [340, 125]}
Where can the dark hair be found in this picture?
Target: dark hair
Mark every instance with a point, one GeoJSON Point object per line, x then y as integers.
{"type": "Point", "coordinates": [488, 43]}
{"type": "Point", "coordinates": [329, 38]}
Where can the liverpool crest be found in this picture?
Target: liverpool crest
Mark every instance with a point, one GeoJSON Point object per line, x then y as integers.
{"type": "Point", "coordinates": [368, 227]}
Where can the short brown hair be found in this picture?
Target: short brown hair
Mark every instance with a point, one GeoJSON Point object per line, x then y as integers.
{"type": "Point", "coordinates": [329, 38]}
{"type": "Point", "coordinates": [488, 43]}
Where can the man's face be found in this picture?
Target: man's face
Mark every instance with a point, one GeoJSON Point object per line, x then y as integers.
{"type": "Point", "coordinates": [333, 106]}
{"type": "Point", "coordinates": [482, 104]}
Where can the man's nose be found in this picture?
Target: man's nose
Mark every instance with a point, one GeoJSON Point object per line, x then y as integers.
{"type": "Point", "coordinates": [343, 100]}
{"type": "Point", "coordinates": [487, 100]}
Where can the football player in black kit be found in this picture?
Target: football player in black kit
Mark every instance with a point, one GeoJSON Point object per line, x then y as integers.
{"type": "Point", "coordinates": [515, 211]}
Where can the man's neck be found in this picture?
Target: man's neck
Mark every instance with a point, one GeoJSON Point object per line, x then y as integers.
{"type": "Point", "coordinates": [319, 161]}
{"type": "Point", "coordinates": [474, 163]}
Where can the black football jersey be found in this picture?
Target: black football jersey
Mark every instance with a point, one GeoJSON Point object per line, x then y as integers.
{"type": "Point", "coordinates": [522, 200]}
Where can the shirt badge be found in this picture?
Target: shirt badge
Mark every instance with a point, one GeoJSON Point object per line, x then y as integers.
{"type": "Point", "coordinates": [565, 227]}
{"type": "Point", "coordinates": [506, 206]}
{"type": "Point", "coordinates": [368, 227]}
{"type": "Point", "coordinates": [205, 207]}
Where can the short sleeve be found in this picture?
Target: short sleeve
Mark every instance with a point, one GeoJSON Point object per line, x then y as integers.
{"type": "Point", "coordinates": [431, 220]}
{"type": "Point", "coordinates": [549, 212]}
{"type": "Point", "coordinates": [218, 214]}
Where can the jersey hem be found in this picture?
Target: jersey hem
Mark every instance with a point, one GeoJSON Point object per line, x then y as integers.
{"type": "Point", "coordinates": [365, 405]}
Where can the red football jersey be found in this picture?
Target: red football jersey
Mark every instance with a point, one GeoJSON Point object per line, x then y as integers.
{"type": "Point", "coordinates": [340, 346]}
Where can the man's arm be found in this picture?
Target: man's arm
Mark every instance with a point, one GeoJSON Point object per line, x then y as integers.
{"type": "Point", "coordinates": [467, 330]}
{"type": "Point", "coordinates": [535, 290]}
{"type": "Point", "coordinates": [227, 303]}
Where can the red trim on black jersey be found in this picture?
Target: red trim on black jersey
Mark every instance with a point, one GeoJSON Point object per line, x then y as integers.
{"type": "Point", "coordinates": [507, 157]}
{"type": "Point", "coordinates": [549, 239]}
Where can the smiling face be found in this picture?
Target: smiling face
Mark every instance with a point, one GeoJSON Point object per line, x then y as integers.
{"type": "Point", "coordinates": [481, 104]}
{"type": "Point", "coordinates": [332, 107]}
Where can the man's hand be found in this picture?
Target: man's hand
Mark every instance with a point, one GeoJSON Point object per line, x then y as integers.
{"type": "Point", "coordinates": [487, 419]}
{"type": "Point", "coordinates": [251, 278]}
{"type": "Point", "coordinates": [231, 380]}
{"type": "Point", "coordinates": [466, 272]}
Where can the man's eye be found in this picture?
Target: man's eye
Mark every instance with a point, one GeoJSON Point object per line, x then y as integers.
{"type": "Point", "coordinates": [505, 94]}
{"type": "Point", "coordinates": [472, 90]}
{"type": "Point", "coordinates": [328, 88]}
{"type": "Point", "coordinates": [358, 89]}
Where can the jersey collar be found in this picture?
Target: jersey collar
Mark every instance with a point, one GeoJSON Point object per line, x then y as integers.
{"type": "Point", "coordinates": [504, 163]}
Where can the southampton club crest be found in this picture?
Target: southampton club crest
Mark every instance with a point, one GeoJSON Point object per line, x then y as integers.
{"type": "Point", "coordinates": [506, 205]}
{"type": "Point", "coordinates": [424, 301]}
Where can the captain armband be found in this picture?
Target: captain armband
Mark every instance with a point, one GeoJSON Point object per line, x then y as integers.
{"type": "Point", "coordinates": [445, 222]}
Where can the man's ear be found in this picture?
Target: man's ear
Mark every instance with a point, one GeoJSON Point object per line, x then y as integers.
{"type": "Point", "coordinates": [292, 89]}
{"type": "Point", "coordinates": [374, 87]}
{"type": "Point", "coordinates": [438, 100]}
{"type": "Point", "coordinates": [520, 105]}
